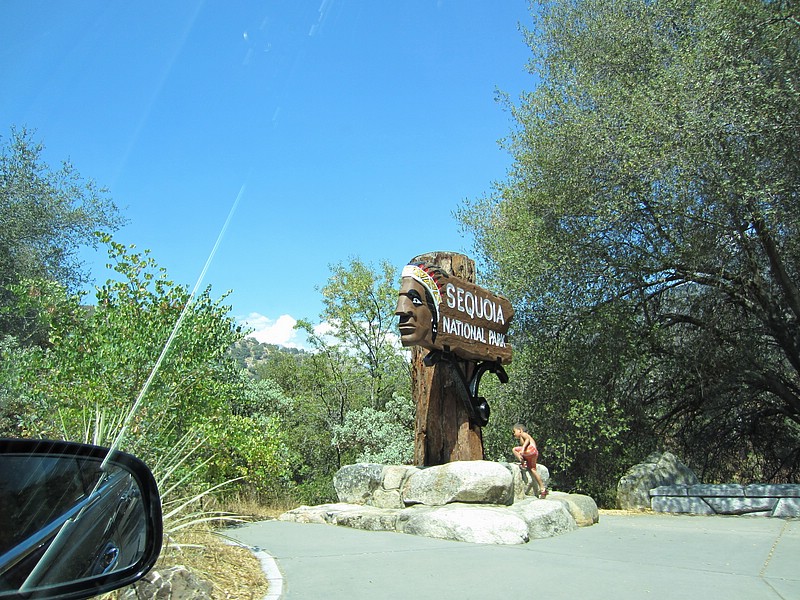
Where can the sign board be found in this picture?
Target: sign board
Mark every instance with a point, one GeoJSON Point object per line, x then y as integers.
{"type": "Point", "coordinates": [442, 312]}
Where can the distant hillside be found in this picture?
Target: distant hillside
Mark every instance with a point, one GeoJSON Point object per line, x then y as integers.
{"type": "Point", "coordinates": [249, 353]}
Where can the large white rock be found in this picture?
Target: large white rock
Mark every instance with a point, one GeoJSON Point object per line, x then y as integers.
{"type": "Point", "coordinates": [482, 524]}
{"type": "Point", "coordinates": [524, 484]}
{"type": "Point", "coordinates": [582, 508]}
{"type": "Point", "coordinates": [544, 518]}
{"type": "Point", "coordinates": [787, 507]}
{"type": "Point", "coordinates": [370, 518]}
{"type": "Point", "coordinates": [465, 523]}
{"type": "Point", "coordinates": [477, 481]}
{"type": "Point", "coordinates": [389, 495]}
{"type": "Point", "coordinates": [321, 513]}
{"type": "Point", "coordinates": [469, 501]}
{"type": "Point", "coordinates": [355, 484]}
{"type": "Point", "coordinates": [372, 484]}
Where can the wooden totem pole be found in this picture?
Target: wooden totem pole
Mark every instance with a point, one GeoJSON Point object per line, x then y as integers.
{"type": "Point", "coordinates": [457, 331]}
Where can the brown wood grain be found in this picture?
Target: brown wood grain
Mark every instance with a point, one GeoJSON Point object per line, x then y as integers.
{"type": "Point", "coordinates": [443, 432]}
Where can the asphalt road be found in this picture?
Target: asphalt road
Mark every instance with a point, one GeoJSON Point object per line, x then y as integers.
{"type": "Point", "coordinates": [637, 556]}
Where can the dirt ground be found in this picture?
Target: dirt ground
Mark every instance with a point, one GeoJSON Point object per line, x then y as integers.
{"type": "Point", "coordinates": [627, 513]}
{"type": "Point", "coordinates": [636, 513]}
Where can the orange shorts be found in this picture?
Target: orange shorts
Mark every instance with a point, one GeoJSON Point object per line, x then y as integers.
{"type": "Point", "coordinates": [530, 457]}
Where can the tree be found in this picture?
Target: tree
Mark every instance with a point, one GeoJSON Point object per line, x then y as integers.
{"type": "Point", "coordinates": [17, 411]}
{"type": "Point", "coordinates": [586, 414]}
{"type": "Point", "coordinates": [46, 216]}
{"type": "Point", "coordinates": [655, 187]}
{"type": "Point", "coordinates": [97, 362]}
{"type": "Point", "coordinates": [359, 305]}
{"type": "Point", "coordinates": [328, 384]}
{"type": "Point", "coordinates": [349, 393]}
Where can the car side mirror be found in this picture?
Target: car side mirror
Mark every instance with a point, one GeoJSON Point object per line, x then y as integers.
{"type": "Point", "coordinates": [75, 521]}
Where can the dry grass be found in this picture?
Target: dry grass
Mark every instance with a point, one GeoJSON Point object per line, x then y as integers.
{"type": "Point", "coordinates": [234, 572]}
{"type": "Point", "coordinates": [624, 512]}
{"type": "Point", "coordinates": [637, 513]}
{"type": "Point", "coordinates": [252, 510]}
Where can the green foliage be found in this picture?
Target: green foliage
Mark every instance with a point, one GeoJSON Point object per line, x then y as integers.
{"type": "Point", "coordinates": [261, 397]}
{"type": "Point", "coordinates": [255, 441]}
{"type": "Point", "coordinates": [211, 408]}
{"type": "Point", "coordinates": [99, 360]}
{"type": "Point", "coordinates": [17, 400]}
{"type": "Point", "coordinates": [379, 436]}
{"type": "Point", "coordinates": [647, 234]}
{"type": "Point", "coordinates": [41, 310]}
{"type": "Point", "coordinates": [585, 414]}
{"type": "Point", "coordinates": [46, 216]}
{"type": "Point", "coordinates": [254, 448]}
{"type": "Point", "coordinates": [283, 367]}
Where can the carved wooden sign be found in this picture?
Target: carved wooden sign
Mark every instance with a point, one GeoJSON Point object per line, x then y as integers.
{"type": "Point", "coordinates": [441, 312]}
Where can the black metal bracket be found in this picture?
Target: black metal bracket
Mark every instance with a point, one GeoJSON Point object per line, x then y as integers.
{"type": "Point", "coordinates": [477, 407]}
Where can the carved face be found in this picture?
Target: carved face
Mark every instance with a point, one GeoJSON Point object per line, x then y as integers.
{"type": "Point", "coordinates": [416, 318]}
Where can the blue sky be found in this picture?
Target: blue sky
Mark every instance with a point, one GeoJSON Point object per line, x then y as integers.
{"type": "Point", "coordinates": [353, 128]}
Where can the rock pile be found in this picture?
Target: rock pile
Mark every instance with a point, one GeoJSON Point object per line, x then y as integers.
{"type": "Point", "coordinates": [472, 501]}
{"type": "Point", "coordinates": [174, 583]}
{"type": "Point", "coordinates": [664, 484]}
{"type": "Point", "coordinates": [778, 500]}
{"type": "Point", "coordinates": [633, 489]}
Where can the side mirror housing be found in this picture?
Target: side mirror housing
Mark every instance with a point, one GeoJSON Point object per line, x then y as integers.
{"type": "Point", "coordinates": [75, 520]}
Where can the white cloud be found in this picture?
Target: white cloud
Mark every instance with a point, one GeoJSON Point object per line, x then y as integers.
{"type": "Point", "coordinates": [326, 330]}
{"type": "Point", "coordinates": [280, 332]}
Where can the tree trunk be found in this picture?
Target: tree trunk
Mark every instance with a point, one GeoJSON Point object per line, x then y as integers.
{"type": "Point", "coordinates": [442, 431]}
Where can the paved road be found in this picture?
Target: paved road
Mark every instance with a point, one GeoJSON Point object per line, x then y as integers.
{"type": "Point", "coordinates": [640, 556]}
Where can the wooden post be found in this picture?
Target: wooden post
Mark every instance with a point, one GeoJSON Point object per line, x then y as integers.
{"type": "Point", "coordinates": [443, 432]}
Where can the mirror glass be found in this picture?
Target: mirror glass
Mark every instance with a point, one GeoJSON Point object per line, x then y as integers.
{"type": "Point", "coordinates": [66, 518]}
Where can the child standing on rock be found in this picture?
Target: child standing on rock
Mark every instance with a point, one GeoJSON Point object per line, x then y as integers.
{"type": "Point", "coordinates": [528, 454]}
